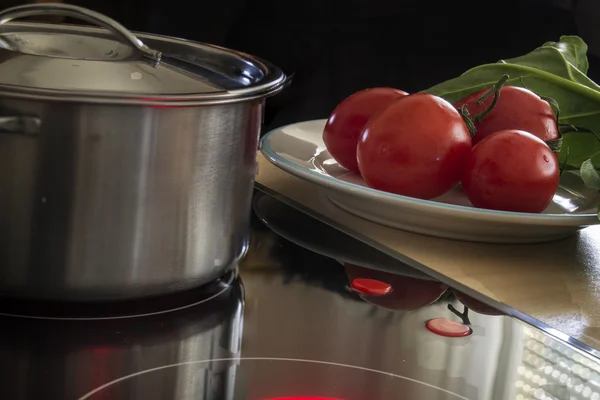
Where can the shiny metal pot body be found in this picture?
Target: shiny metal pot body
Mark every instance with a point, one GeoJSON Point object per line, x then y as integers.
{"type": "Point", "coordinates": [119, 201]}
{"type": "Point", "coordinates": [126, 161]}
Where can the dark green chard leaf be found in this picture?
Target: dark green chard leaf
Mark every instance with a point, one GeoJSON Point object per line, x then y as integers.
{"type": "Point", "coordinates": [556, 70]}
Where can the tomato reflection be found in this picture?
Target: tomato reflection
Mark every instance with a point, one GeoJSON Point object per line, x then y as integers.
{"type": "Point", "coordinates": [407, 293]}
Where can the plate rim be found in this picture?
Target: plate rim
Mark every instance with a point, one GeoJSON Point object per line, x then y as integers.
{"type": "Point", "coordinates": [368, 193]}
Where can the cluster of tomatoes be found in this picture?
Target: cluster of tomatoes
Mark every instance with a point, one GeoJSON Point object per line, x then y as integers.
{"type": "Point", "coordinates": [420, 145]}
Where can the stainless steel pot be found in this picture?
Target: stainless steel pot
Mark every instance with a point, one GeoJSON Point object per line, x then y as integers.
{"type": "Point", "coordinates": [126, 167]}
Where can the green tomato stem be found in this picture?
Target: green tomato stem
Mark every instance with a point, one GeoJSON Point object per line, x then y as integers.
{"type": "Point", "coordinates": [556, 144]}
{"type": "Point", "coordinates": [465, 116]}
{"type": "Point", "coordinates": [495, 90]}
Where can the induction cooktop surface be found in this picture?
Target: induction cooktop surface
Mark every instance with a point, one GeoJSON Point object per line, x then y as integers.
{"type": "Point", "coordinates": [307, 315]}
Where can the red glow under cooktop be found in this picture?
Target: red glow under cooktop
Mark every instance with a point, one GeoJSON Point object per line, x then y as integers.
{"type": "Point", "coordinates": [305, 398]}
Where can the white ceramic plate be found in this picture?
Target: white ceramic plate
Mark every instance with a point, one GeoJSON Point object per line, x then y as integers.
{"type": "Point", "coordinates": [299, 150]}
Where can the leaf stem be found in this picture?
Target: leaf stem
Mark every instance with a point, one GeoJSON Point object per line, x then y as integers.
{"type": "Point", "coordinates": [537, 73]}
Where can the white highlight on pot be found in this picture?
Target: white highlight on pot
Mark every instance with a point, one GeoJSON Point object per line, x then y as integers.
{"type": "Point", "coordinates": [126, 377]}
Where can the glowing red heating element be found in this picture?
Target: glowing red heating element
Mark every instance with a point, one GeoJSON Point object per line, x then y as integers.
{"type": "Point", "coordinates": [305, 398]}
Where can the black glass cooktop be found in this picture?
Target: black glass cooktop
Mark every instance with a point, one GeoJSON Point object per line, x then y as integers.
{"type": "Point", "coordinates": [310, 314]}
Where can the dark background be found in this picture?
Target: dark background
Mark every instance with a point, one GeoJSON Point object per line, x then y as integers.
{"type": "Point", "coordinates": [336, 47]}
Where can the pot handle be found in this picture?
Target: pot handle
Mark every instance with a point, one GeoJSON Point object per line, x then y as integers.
{"type": "Point", "coordinates": [68, 10]}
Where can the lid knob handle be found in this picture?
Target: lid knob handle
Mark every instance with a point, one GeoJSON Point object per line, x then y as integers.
{"type": "Point", "coordinates": [68, 10]}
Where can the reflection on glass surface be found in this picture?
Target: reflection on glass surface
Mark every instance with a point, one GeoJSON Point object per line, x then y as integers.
{"type": "Point", "coordinates": [296, 327]}
{"type": "Point", "coordinates": [502, 359]}
{"type": "Point", "coordinates": [550, 369]}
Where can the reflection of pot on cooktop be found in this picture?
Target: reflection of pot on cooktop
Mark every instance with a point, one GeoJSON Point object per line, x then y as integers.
{"type": "Point", "coordinates": [63, 351]}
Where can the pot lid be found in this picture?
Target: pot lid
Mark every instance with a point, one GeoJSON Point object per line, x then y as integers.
{"type": "Point", "coordinates": [66, 62]}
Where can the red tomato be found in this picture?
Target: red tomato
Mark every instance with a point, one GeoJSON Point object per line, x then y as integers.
{"type": "Point", "coordinates": [511, 170]}
{"type": "Point", "coordinates": [348, 119]}
{"type": "Point", "coordinates": [415, 147]}
{"type": "Point", "coordinates": [517, 108]}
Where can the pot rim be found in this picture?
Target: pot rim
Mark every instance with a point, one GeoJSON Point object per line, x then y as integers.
{"type": "Point", "coordinates": [273, 82]}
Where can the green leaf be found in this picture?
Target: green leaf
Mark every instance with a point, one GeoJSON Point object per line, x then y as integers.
{"type": "Point", "coordinates": [552, 60]}
{"type": "Point", "coordinates": [582, 146]}
{"type": "Point", "coordinates": [574, 49]}
{"type": "Point", "coordinates": [566, 58]}
{"type": "Point", "coordinates": [556, 70]}
{"type": "Point", "coordinates": [589, 175]}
